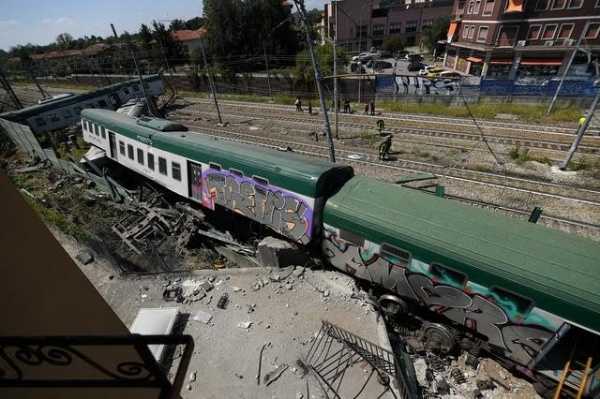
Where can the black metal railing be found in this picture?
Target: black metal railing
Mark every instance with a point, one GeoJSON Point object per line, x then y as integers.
{"type": "Point", "coordinates": [91, 362]}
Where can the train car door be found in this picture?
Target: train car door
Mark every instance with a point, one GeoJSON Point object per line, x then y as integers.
{"type": "Point", "coordinates": [113, 145]}
{"type": "Point", "coordinates": [195, 180]}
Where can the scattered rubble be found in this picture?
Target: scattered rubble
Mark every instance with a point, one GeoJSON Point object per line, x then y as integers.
{"type": "Point", "coordinates": [202, 316]}
{"type": "Point", "coordinates": [273, 252]}
{"type": "Point", "coordinates": [85, 257]}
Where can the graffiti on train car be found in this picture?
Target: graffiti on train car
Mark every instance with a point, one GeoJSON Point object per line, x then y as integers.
{"type": "Point", "coordinates": [285, 212]}
{"type": "Point", "coordinates": [520, 332]}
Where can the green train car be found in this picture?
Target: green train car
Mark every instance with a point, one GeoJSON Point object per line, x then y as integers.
{"type": "Point", "coordinates": [526, 294]}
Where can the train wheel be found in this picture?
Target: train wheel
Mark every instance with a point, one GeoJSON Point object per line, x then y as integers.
{"type": "Point", "coordinates": [439, 338]}
{"type": "Point", "coordinates": [391, 305]}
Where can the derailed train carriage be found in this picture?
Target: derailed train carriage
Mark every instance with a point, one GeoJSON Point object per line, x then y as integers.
{"type": "Point", "coordinates": [522, 292]}
{"type": "Point", "coordinates": [65, 110]}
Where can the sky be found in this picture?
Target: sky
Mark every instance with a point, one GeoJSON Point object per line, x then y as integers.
{"type": "Point", "coordinates": [39, 22]}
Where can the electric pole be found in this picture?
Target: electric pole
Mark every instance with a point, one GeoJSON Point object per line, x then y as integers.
{"type": "Point", "coordinates": [581, 131]}
{"type": "Point", "coordinates": [564, 75]}
{"type": "Point", "coordinates": [302, 11]}
{"type": "Point", "coordinates": [268, 74]}
{"type": "Point", "coordinates": [211, 82]}
{"type": "Point", "coordinates": [149, 101]}
{"type": "Point", "coordinates": [335, 79]}
{"type": "Point", "coordinates": [5, 84]}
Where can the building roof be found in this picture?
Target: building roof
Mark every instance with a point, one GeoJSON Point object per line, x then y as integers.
{"type": "Point", "coordinates": [559, 271]}
{"type": "Point", "coordinates": [187, 35]}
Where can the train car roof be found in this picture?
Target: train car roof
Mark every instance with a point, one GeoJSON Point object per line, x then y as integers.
{"type": "Point", "coordinates": [307, 176]}
{"type": "Point", "coordinates": [559, 271]}
{"type": "Point", "coordinates": [28, 112]}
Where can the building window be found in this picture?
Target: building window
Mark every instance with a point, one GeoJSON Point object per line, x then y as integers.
{"type": "Point", "coordinates": [507, 35]}
{"type": "Point", "coordinates": [477, 7]}
{"type": "Point", "coordinates": [488, 8]}
{"type": "Point", "coordinates": [575, 4]}
{"type": "Point", "coordinates": [140, 156]}
{"type": "Point", "coordinates": [593, 30]}
{"type": "Point", "coordinates": [471, 7]}
{"type": "Point", "coordinates": [427, 23]}
{"type": "Point", "coordinates": [482, 34]}
{"type": "Point", "coordinates": [129, 151]}
{"type": "Point", "coordinates": [395, 29]}
{"type": "Point", "coordinates": [122, 148]}
{"type": "Point", "coordinates": [411, 26]}
{"type": "Point", "coordinates": [162, 166]}
{"type": "Point", "coordinates": [461, 5]}
{"type": "Point", "coordinates": [549, 32]}
{"type": "Point", "coordinates": [150, 161]}
{"type": "Point", "coordinates": [541, 5]}
{"type": "Point", "coordinates": [565, 31]}
{"type": "Point", "coordinates": [378, 30]}
{"type": "Point", "coordinates": [465, 33]}
{"type": "Point", "coordinates": [472, 32]}
{"type": "Point", "coordinates": [176, 171]}
{"type": "Point", "coordinates": [559, 4]}
{"type": "Point", "coordinates": [534, 32]}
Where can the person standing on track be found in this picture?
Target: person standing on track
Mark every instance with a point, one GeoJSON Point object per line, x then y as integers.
{"type": "Point", "coordinates": [372, 107]}
{"type": "Point", "coordinates": [309, 107]}
{"type": "Point", "coordinates": [385, 146]}
{"type": "Point", "coordinates": [298, 103]}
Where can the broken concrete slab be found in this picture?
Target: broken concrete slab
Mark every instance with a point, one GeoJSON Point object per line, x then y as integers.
{"type": "Point", "coordinates": [85, 257]}
{"type": "Point", "coordinates": [202, 317]}
{"type": "Point", "coordinates": [273, 252]}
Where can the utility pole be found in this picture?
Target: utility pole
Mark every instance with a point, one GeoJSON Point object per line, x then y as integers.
{"type": "Point", "coordinates": [335, 79]}
{"type": "Point", "coordinates": [43, 92]}
{"type": "Point", "coordinates": [211, 83]}
{"type": "Point", "coordinates": [564, 74]}
{"type": "Point", "coordinates": [5, 84]}
{"type": "Point", "coordinates": [359, 61]}
{"type": "Point", "coordinates": [148, 99]}
{"type": "Point", "coordinates": [302, 11]}
{"type": "Point", "coordinates": [268, 73]}
{"type": "Point", "coordinates": [581, 131]}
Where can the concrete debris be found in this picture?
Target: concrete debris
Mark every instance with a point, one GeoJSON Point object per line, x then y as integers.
{"type": "Point", "coordinates": [236, 289]}
{"type": "Point", "coordinates": [202, 316]}
{"type": "Point", "coordinates": [85, 257]}
{"type": "Point", "coordinates": [192, 377]}
{"type": "Point", "coordinates": [223, 301]}
{"type": "Point", "coordinates": [189, 387]}
{"type": "Point", "coordinates": [298, 271]}
{"type": "Point", "coordinates": [245, 324]}
{"type": "Point", "coordinates": [273, 252]}
{"type": "Point", "coordinates": [299, 395]}
{"type": "Point", "coordinates": [188, 291]}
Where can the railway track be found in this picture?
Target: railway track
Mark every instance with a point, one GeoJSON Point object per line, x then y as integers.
{"type": "Point", "coordinates": [542, 145]}
{"type": "Point", "coordinates": [458, 123]}
{"type": "Point", "coordinates": [322, 152]}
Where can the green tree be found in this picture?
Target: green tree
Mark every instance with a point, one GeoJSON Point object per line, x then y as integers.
{"type": "Point", "coordinates": [146, 36]}
{"type": "Point", "coordinates": [437, 31]}
{"type": "Point", "coordinates": [304, 71]}
{"type": "Point", "coordinates": [393, 44]}
{"type": "Point", "coordinates": [177, 24]}
{"type": "Point", "coordinates": [195, 23]}
{"type": "Point", "coordinates": [64, 40]}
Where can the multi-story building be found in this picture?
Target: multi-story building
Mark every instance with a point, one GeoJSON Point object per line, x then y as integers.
{"type": "Point", "coordinates": [520, 38]}
{"type": "Point", "coordinates": [362, 24]}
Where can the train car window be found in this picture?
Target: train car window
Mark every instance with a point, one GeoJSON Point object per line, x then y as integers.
{"type": "Point", "coordinates": [261, 180]}
{"type": "Point", "coordinates": [140, 156]}
{"type": "Point", "coordinates": [122, 148]}
{"type": "Point", "coordinates": [444, 275]}
{"type": "Point", "coordinates": [511, 301]}
{"type": "Point", "coordinates": [40, 122]}
{"type": "Point", "coordinates": [102, 103]}
{"type": "Point", "coordinates": [129, 151]}
{"type": "Point", "coordinates": [86, 125]}
{"type": "Point", "coordinates": [151, 161]}
{"type": "Point", "coordinates": [162, 166]}
{"type": "Point", "coordinates": [213, 165]}
{"type": "Point", "coordinates": [237, 172]}
{"type": "Point", "coordinates": [176, 171]}
{"type": "Point", "coordinates": [103, 132]}
{"type": "Point", "coordinates": [394, 255]}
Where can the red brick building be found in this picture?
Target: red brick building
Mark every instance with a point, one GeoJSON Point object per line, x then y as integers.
{"type": "Point", "coordinates": [509, 39]}
{"type": "Point", "coordinates": [363, 24]}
